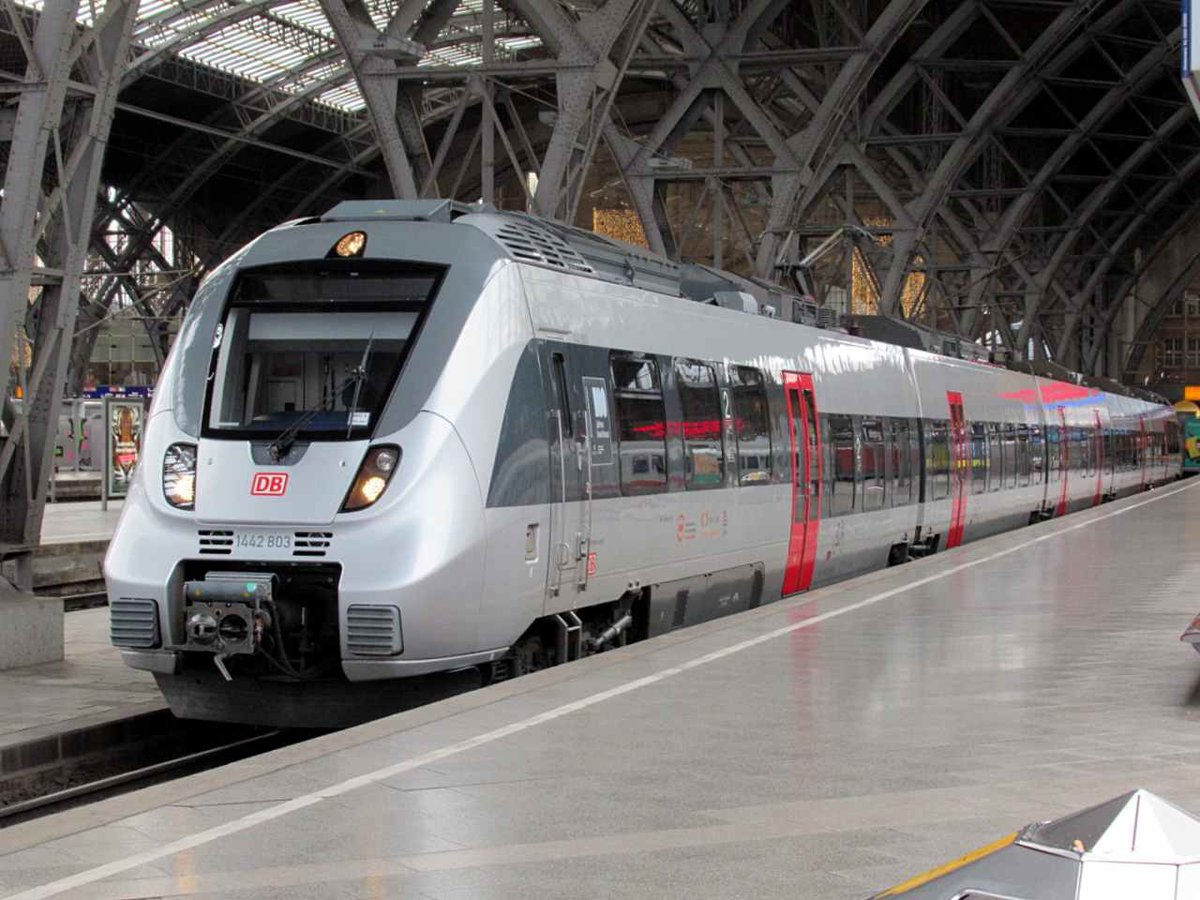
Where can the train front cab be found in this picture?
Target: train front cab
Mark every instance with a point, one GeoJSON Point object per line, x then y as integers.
{"type": "Point", "coordinates": [306, 510]}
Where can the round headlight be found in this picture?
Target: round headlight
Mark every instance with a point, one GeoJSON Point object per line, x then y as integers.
{"type": "Point", "coordinates": [385, 460]}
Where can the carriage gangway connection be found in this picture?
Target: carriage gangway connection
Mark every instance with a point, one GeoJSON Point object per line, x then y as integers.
{"type": "Point", "coordinates": [825, 746]}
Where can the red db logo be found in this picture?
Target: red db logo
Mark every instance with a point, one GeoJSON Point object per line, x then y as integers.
{"type": "Point", "coordinates": [269, 484]}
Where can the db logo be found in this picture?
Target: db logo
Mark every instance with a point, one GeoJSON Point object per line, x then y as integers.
{"type": "Point", "coordinates": [269, 484]}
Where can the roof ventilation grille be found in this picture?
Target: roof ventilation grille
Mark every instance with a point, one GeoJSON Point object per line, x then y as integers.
{"type": "Point", "coordinates": [532, 244]}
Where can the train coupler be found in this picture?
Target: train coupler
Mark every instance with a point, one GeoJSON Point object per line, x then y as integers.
{"type": "Point", "coordinates": [226, 614]}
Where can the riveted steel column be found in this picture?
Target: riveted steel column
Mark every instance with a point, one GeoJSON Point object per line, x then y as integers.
{"type": "Point", "coordinates": [357, 36]}
{"type": "Point", "coordinates": [65, 219]}
{"type": "Point", "coordinates": [38, 113]}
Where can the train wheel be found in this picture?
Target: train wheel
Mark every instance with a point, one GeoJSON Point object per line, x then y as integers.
{"type": "Point", "coordinates": [528, 655]}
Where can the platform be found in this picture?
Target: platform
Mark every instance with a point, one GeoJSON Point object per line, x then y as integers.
{"type": "Point", "coordinates": [67, 523]}
{"type": "Point", "coordinates": [823, 747]}
{"type": "Point", "coordinates": [90, 686]}
{"type": "Point", "coordinates": [75, 537]}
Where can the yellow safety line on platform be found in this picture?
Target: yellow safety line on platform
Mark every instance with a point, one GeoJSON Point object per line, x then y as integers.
{"type": "Point", "coordinates": [244, 823]}
{"type": "Point", "coordinates": [945, 869]}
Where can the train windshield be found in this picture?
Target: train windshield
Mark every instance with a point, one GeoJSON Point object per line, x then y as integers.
{"type": "Point", "coordinates": [311, 355]}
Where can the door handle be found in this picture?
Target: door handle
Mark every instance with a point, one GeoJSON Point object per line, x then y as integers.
{"type": "Point", "coordinates": [563, 550]}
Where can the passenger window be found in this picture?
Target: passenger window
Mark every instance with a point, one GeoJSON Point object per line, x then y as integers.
{"type": "Point", "coordinates": [938, 464]}
{"type": "Point", "coordinates": [874, 472]}
{"type": "Point", "coordinates": [1053, 453]}
{"type": "Point", "coordinates": [753, 425]}
{"type": "Point", "coordinates": [641, 423]}
{"type": "Point", "coordinates": [1024, 466]}
{"type": "Point", "coordinates": [979, 458]}
{"type": "Point", "coordinates": [564, 398]}
{"type": "Point", "coordinates": [995, 456]}
{"type": "Point", "coordinates": [839, 435]}
{"type": "Point", "coordinates": [703, 449]}
{"type": "Point", "coordinates": [1010, 455]}
{"type": "Point", "coordinates": [900, 444]}
{"type": "Point", "coordinates": [1037, 454]}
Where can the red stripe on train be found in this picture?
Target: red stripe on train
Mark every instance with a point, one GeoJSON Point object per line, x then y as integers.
{"type": "Point", "coordinates": [959, 466]}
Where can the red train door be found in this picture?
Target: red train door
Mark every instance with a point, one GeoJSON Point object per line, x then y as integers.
{"type": "Point", "coordinates": [959, 465]}
{"type": "Point", "coordinates": [1064, 461]}
{"type": "Point", "coordinates": [806, 481]}
{"type": "Point", "coordinates": [1098, 459]}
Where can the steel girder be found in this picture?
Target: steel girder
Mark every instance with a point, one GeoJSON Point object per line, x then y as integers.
{"type": "Point", "coordinates": [836, 106]}
{"type": "Point", "coordinates": [791, 139]}
{"type": "Point", "coordinates": [586, 87]}
{"type": "Point", "coordinates": [1009, 95]}
{"type": "Point", "coordinates": [357, 36]}
{"type": "Point", "coordinates": [1172, 265]}
{"type": "Point", "coordinates": [64, 215]}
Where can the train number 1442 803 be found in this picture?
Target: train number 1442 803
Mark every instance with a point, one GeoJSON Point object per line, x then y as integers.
{"type": "Point", "coordinates": [263, 540]}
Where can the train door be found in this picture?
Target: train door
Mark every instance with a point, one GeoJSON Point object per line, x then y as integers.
{"type": "Point", "coordinates": [573, 429]}
{"type": "Point", "coordinates": [1064, 462]}
{"type": "Point", "coordinates": [959, 469]}
{"type": "Point", "coordinates": [1098, 458]}
{"type": "Point", "coordinates": [805, 434]}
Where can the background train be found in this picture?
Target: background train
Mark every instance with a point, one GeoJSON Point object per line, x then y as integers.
{"type": "Point", "coordinates": [411, 437]}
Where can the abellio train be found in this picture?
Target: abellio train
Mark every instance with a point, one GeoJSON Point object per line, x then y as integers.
{"type": "Point", "coordinates": [406, 438]}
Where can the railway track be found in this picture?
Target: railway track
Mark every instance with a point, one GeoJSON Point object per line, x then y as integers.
{"type": "Point", "coordinates": [125, 766]}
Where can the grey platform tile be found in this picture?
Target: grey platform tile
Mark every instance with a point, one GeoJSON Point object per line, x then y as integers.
{"type": "Point", "coordinates": [90, 684]}
{"type": "Point", "coordinates": [92, 847]}
{"type": "Point", "coordinates": [297, 841]}
{"type": "Point", "coordinates": [368, 889]}
{"type": "Point", "coordinates": [69, 522]}
{"type": "Point", "coordinates": [267, 884]}
{"type": "Point", "coordinates": [169, 823]}
{"type": "Point", "coordinates": [780, 867]}
{"type": "Point", "coordinates": [17, 880]}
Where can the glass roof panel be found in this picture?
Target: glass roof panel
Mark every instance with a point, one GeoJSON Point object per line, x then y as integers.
{"type": "Point", "coordinates": [267, 40]}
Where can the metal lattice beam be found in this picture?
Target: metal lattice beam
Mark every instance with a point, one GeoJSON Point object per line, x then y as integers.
{"type": "Point", "coordinates": [77, 144]}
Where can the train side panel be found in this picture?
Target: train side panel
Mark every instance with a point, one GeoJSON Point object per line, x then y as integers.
{"type": "Point", "coordinates": [679, 533]}
{"type": "Point", "coordinates": [859, 386]}
{"type": "Point", "coordinates": [1002, 468]}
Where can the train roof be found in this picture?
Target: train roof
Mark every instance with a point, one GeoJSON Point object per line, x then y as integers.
{"type": "Point", "coordinates": [541, 242]}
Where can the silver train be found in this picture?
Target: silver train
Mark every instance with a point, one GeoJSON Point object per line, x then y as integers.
{"type": "Point", "coordinates": [406, 438]}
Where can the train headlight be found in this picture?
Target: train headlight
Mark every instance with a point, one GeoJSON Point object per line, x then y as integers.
{"type": "Point", "coordinates": [372, 478]}
{"type": "Point", "coordinates": [179, 476]}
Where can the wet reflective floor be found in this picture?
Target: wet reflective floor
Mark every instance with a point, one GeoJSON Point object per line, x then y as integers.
{"type": "Point", "coordinates": [823, 747]}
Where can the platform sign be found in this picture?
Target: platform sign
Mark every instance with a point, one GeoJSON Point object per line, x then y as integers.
{"type": "Point", "coordinates": [123, 418]}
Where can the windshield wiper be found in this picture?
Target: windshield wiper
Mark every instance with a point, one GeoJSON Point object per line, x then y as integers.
{"type": "Point", "coordinates": [280, 447]}
{"type": "Point", "coordinates": [361, 372]}
{"type": "Point", "coordinates": [283, 443]}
